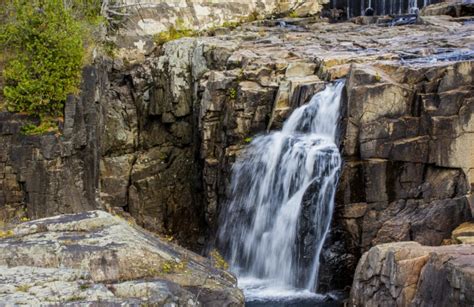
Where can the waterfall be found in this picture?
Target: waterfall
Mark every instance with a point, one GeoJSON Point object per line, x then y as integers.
{"type": "Point", "coordinates": [282, 198]}
{"type": "Point", "coordinates": [381, 7]}
{"type": "Point", "coordinates": [413, 7]}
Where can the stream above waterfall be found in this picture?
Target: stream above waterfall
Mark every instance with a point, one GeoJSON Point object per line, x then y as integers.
{"type": "Point", "coordinates": [282, 199]}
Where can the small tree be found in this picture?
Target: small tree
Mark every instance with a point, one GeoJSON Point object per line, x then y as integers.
{"type": "Point", "coordinates": [45, 56]}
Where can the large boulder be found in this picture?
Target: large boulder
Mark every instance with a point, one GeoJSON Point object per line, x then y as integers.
{"type": "Point", "coordinates": [94, 257]}
{"type": "Point", "coordinates": [409, 274]}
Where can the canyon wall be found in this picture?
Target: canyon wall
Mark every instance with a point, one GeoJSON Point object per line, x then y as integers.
{"type": "Point", "coordinates": [155, 138]}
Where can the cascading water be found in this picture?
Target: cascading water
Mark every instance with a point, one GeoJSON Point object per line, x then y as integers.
{"type": "Point", "coordinates": [282, 199]}
{"type": "Point", "coordinates": [381, 7]}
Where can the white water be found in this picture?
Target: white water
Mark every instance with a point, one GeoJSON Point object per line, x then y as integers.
{"type": "Point", "coordinates": [383, 7]}
{"type": "Point", "coordinates": [413, 7]}
{"type": "Point", "coordinates": [262, 230]}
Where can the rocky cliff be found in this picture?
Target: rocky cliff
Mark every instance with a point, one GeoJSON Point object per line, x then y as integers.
{"type": "Point", "coordinates": [155, 138]}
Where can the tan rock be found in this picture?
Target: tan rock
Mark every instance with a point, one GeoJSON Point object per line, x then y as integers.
{"type": "Point", "coordinates": [464, 233]}
{"type": "Point", "coordinates": [409, 274]}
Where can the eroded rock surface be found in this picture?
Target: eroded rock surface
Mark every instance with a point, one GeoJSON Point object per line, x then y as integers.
{"type": "Point", "coordinates": [94, 257]}
{"type": "Point", "coordinates": [171, 122]}
{"type": "Point", "coordinates": [409, 274]}
{"type": "Point", "coordinates": [139, 20]}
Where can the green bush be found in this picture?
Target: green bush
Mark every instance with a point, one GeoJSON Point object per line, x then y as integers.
{"type": "Point", "coordinates": [44, 44]}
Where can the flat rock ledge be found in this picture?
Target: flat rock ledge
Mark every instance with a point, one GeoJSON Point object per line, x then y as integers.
{"type": "Point", "coordinates": [410, 274]}
{"type": "Point", "coordinates": [97, 259]}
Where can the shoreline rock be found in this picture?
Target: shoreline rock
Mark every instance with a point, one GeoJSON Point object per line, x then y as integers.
{"type": "Point", "coordinates": [410, 274]}
{"type": "Point", "coordinates": [94, 257]}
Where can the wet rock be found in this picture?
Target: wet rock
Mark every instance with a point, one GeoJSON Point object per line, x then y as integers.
{"type": "Point", "coordinates": [94, 257]}
{"type": "Point", "coordinates": [407, 273]}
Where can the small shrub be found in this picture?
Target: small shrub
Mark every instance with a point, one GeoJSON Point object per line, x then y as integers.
{"type": "Point", "coordinates": [44, 127]}
{"type": "Point", "coordinates": [248, 140]}
{"type": "Point", "coordinates": [232, 93]}
{"type": "Point", "coordinates": [45, 45]}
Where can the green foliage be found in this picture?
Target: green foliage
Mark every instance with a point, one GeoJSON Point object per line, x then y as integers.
{"type": "Point", "coordinates": [110, 48]}
{"type": "Point", "coordinates": [174, 32]}
{"type": "Point", "coordinates": [84, 286]}
{"type": "Point", "coordinates": [76, 298]}
{"type": "Point", "coordinates": [232, 93]}
{"type": "Point", "coordinates": [231, 24]}
{"type": "Point", "coordinates": [248, 140]}
{"type": "Point", "coordinates": [378, 77]}
{"type": "Point", "coordinates": [174, 266]}
{"type": "Point", "coordinates": [46, 44]}
{"type": "Point", "coordinates": [43, 42]}
{"type": "Point", "coordinates": [46, 125]}
{"type": "Point", "coordinates": [293, 14]}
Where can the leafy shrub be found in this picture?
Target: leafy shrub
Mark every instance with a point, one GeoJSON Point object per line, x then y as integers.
{"type": "Point", "coordinates": [44, 43]}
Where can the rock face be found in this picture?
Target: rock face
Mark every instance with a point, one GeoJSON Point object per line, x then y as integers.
{"type": "Point", "coordinates": [409, 274]}
{"type": "Point", "coordinates": [47, 175]}
{"type": "Point", "coordinates": [156, 137]}
{"type": "Point", "coordinates": [459, 9]}
{"type": "Point", "coordinates": [148, 17]}
{"type": "Point", "coordinates": [95, 258]}
{"type": "Point", "coordinates": [407, 176]}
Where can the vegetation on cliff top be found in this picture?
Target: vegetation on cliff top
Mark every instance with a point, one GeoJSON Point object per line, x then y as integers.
{"type": "Point", "coordinates": [44, 49]}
